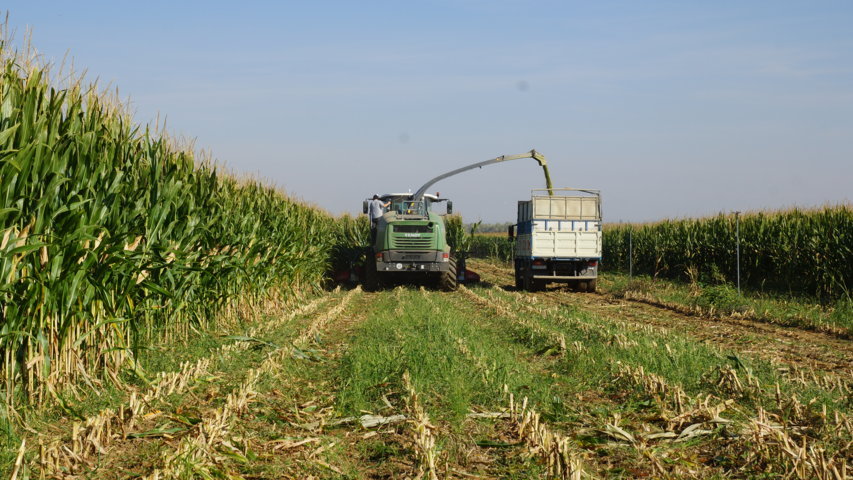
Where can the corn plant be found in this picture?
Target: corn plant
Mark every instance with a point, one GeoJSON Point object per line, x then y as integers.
{"type": "Point", "coordinates": [113, 237]}
{"type": "Point", "coordinates": [796, 250]}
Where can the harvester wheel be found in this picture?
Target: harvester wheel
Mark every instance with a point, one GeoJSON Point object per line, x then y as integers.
{"type": "Point", "coordinates": [448, 281]}
{"type": "Point", "coordinates": [519, 280]}
{"type": "Point", "coordinates": [590, 286]}
{"type": "Point", "coordinates": [371, 276]}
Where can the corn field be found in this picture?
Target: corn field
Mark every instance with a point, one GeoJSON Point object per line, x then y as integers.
{"type": "Point", "coordinates": [807, 251]}
{"type": "Point", "coordinates": [112, 237]}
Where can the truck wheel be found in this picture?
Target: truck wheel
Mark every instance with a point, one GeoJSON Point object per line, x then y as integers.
{"type": "Point", "coordinates": [532, 285]}
{"type": "Point", "coordinates": [447, 281]}
{"type": "Point", "coordinates": [371, 276]}
{"type": "Point", "coordinates": [590, 286]}
{"type": "Point", "coordinates": [519, 282]}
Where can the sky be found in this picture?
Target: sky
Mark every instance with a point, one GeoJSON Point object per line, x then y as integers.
{"type": "Point", "coordinates": [670, 108]}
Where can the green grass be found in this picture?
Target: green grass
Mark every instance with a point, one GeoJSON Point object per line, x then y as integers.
{"type": "Point", "coordinates": [421, 334]}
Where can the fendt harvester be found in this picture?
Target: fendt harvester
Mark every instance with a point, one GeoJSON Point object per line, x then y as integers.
{"type": "Point", "coordinates": [410, 242]}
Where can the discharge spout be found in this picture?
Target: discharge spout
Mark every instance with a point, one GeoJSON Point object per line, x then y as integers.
{"type": "Point", "coordinates": [503, 158]}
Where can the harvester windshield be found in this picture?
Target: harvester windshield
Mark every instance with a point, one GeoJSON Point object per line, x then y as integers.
{"type": "Point", "coordinates": [403, 204]}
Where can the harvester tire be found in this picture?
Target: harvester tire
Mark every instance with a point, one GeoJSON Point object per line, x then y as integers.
{"type": "Point", "coordinates": [371, 276]}
{"type": "Point", "coordinates": [590, 286]}
{"type": "Point", "coordinates": [448, 281]}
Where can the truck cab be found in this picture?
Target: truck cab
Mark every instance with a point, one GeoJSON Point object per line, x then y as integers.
{"type": "Point", "coordinates": [558, 239]}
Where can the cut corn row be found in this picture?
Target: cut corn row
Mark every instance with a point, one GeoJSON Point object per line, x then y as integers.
{"type": "Point", "coordinates": [423, 432]}
{"type": "Point", "coordinates": [553, 313]}
{"type": "Point", "coordinates": [304, 309]}
{"type": "Point", "coordinates": [196, 455]}
{"type": "Point", "coordinates": [676, 407]}
{"type": "Point", "coordinates": [826, 381]}
{"type": "Point", "coordinates": [322, 321]}
{"type": "Point", "coordinates": [93, 435]}
{"type": "Point", "coordinates": [541, 441]}
{"type": "Point", "coordinates": [652, 384]}
{"type": "Point", "coordinates": [558, 340]}
{"type": "Point", "coordinates": [774, 445]}
{"type": "Point", "coordinates": [530, 302]}
{"type": "Point", "coordinates": [698, 310]}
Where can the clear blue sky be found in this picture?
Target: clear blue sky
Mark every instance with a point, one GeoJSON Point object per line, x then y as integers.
{"type": "Point", "coordinates": [670, 108]}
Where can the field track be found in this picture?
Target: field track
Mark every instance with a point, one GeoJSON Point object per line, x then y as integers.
{"type": "Point", "coordinates": [789, 345]}
{"type": "Point", "coordinates": [485, 382]}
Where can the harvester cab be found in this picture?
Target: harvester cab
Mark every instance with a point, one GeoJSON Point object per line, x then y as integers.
{"type": "Point", "coordinates": [409, 240]}
{"type": "Point", "coordinates": [403, 205]}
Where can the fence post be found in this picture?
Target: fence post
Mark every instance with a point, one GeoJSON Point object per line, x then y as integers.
{"type": "Point", "coordinates": [630, 252]}
{"type": "Point", "coordinates": [737, 248]}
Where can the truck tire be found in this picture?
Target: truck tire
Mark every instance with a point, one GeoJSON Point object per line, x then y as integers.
{"type": "Point", "coordinates": [532, 285]}
{"type": "Point", "coordinates": [448, 281]}
{"type": "Point", "coordinates": [371, 276]}
{"type": "Point", "coordinates": [519, 282]}
{"type": "Point", "coordinates": [590, 286]}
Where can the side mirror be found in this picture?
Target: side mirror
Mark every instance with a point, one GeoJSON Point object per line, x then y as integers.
{"type": "Point", "coordinates": [449, 207]}
{"type": "Point", "coordinates": [364, 206]}
{"type": "Point", "coordinates": [511, 232]}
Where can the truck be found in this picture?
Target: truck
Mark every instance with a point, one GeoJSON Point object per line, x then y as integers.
{"type": "Point", "coordinates": [557, 239]}
{"type": "Point", "coordinates": [409, 242]}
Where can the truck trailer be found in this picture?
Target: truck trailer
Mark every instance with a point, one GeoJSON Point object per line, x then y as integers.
{"type": "Point", "coordinates": [558, 239]}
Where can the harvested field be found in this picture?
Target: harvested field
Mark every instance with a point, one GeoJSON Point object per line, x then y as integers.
{"type": "Point", "coordinates": [485, 382]}
{"type": "Point", "coordinates": [797, 347]}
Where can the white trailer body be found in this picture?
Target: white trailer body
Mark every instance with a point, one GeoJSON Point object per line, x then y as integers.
{"type": "Point", "coordinates": [558, 238]}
